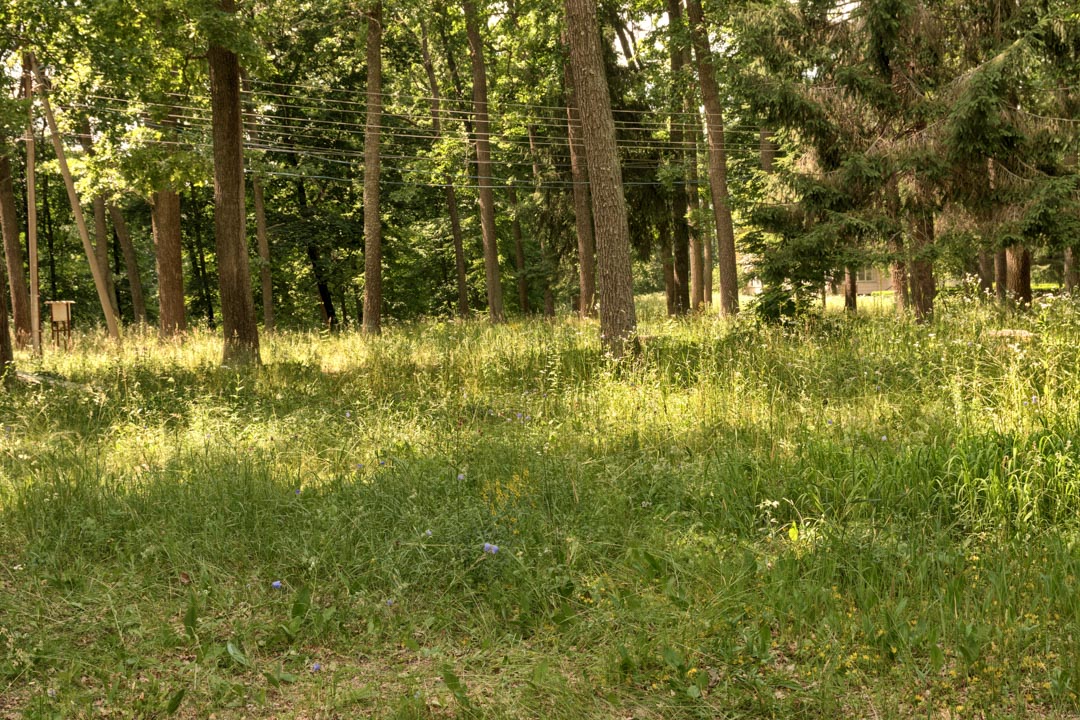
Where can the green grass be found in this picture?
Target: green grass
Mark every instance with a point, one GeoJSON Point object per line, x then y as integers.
{"type": "Point", "coordinates": [852, 517]}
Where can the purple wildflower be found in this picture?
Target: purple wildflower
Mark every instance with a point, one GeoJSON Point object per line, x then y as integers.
{"type": "Point", "coordinates": [276, 584]}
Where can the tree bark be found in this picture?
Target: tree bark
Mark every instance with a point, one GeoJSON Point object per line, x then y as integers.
{"type": "Point", "coordinates": [583, 221]}
{"type": "Point", "coordinates": [230, 216]}
{"type": "Point", "coordinates": [31, 204]}
{"type": "Point", "coordinates": [131, 264]}
{"type": "Point", "coordinates": [851, 289]}
{"type": "Point", "coordinates": [96, 270]}
{"type": "Point", "coordinates": [689, 288]}
{"type": "Point", "coordinates": [265, 278]}
{"type": "Point", "coordinates": [101, 251]}
{"type": "Point", "coordinates": [923, 288]}
{"type": "Point", "coordinates": [451, 195]}
{"type": "Point", "coordinates": [168, 253]}
{"type": "Point", "coordinates": [482, 128]}
{"type": "Point", "coordinates": [1018, 280]}
{"type": "Point", "coordinates": [714, 123]}
{"type": "Point", "coordinates": [9, 225]}
{"type": "Point", "coordinates": [372, 220]}
{"type": "Point", "coordinates": [1072, 272]}
{"type": "Point", "coordinates": [618, 318]}
{"type": "Point", "coordinates": [1001, 275]}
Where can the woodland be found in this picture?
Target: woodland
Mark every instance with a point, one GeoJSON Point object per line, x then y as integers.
{"type": "Point", "coordinates": [517, 358]}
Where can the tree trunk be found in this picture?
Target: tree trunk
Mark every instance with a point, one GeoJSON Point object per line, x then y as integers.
{"type": "Point", "coordinates": [583, 221]}
{"type": "Point", "coordinates": [168, 253]}
{"type": "Point", "coordinates": [96, 270]}
{"type": "Point", "coordinates": [101, 251]}
{"type": "Point", "coordinates": [689, 288]}
{"type": "Point", "coordinates": [483, 163]}
{"type": "Point", "coordinates": [700, 209]}
{"type": "Point", "coordinates": [31, 204]}
{"type": "Point", "coordinates": [519, 251]}
{"type": "Point", "coordinates": [131, 264]}
{"type": "Point", "coordinates": [372, 221]}
{"type": "Point", "coordinates": [451, 195]}
{"type": "Point", "coordinates": [1001, 275]}
{"type": "Point", "coordinates": [230, 216]}
{"type": "Point", "coordinates": [923, 288]}
{"type": "Point", "coordinates": [986, 272]}
{"type": "Point", "coordinates": [9, 225]}
{"type": "Point", "coordinates": [1018, 280]}
{"type": "Point", "coordinates": [7, 353]}
{"type": "Point", "coordinates": [266, 282]}
{"type": "Point", "coordinates": [1072, 272]}
{"type": "Point", "coordinates": [851, 289]}
{"type": "Point", "coordinates": [714, 123]}
{"type": "Point", "coordinates": [618, 319]}
{"type": "Point", "coordinates": [197, 253]}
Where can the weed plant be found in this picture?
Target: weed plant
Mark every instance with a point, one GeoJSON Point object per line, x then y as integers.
{"type": "Point", "coordinates": [843, 517]}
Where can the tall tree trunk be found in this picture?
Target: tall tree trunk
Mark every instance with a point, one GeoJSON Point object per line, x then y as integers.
{"type": "Point", "coordinates": [31, 204]}
{"type": "Point", "coordinates": [1072, 272]}
{"type": "Point", "coordinates": [101, 250]}
{"type": "Point", "coordinates": [714, 123]}
{"type": "Point", "coordinates": [96, 270]}
{"type": "Point", "coordinates": [197, 254]}
{"type": "Point", "coordinates": [519, 251]}
{"type": "Point", "coordinates": [451, 195]}
{"type": "Point", "coordinates": [9, 225]}
{"type": "Point", "coordinates": [131, 264]}
{"type": "Point", "coordinates": [700, 209]}
{"type": "Point", "coordinates": [483, 163]}
{"type": "Point", "coordinates": [101, 230]}
{"type": "Point", "coordinates": [1018, 280]}
{"type": "Point", "coordinates": [618, 318]}
{"type": "Point", "coordinates": [266, 282]}
{"type": "Point", "coordinates": [230, 216]}
{"type": "Point", "coordinates": [986, 272]}
{"type": "Point", "coordinates": [689, 288]}
{"type": "Point", "coordinates": [168, 253]}
{"type": "Point", "coordinates": [851, 289]}
{"type": "Point", "coordinates": [583, 221]}
{"type": "Point", "coordinates": [923, 287]}
{"type": "Point", "coordinates": [372, 220]}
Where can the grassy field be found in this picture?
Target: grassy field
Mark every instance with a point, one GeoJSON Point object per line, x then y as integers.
{"type": "Point", "coordinates": [848, 518]}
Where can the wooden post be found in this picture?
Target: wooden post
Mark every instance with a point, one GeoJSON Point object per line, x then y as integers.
{"type": "Point", "coordinates": [76, 209]}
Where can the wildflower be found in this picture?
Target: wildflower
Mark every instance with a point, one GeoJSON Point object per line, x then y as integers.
{"type": "Point", "coordinates": [389, 602]}
{"type": "Point", "coordinates": [297, 491]}
{"type": "Point", "coordinates": [491, 549]}
{"type": "Point", "coordinates": [461, 476]}
{"type": "Point", "coordinates": [316, 667]}
{"type": "Point", "coordinates": [427, 533]}
{"type": "Point", "coordinates": [884, 438]}
{"type": "Point", "coordinates": [348, 414]}
{"type": "Point", "coordinates": [828, 422]}
{"type": "Point", "coordinates": [276, 584]}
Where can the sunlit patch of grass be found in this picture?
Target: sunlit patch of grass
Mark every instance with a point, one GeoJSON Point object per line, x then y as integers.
{"type": "Point", "coordinates": [845, 516]}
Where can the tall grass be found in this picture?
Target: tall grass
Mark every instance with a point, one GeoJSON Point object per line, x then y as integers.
{"type": "Point", "coordinates": [857, 516]}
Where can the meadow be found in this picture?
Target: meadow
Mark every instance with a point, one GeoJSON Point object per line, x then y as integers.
{"type": "Point", "coordinates": [844, 517]}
